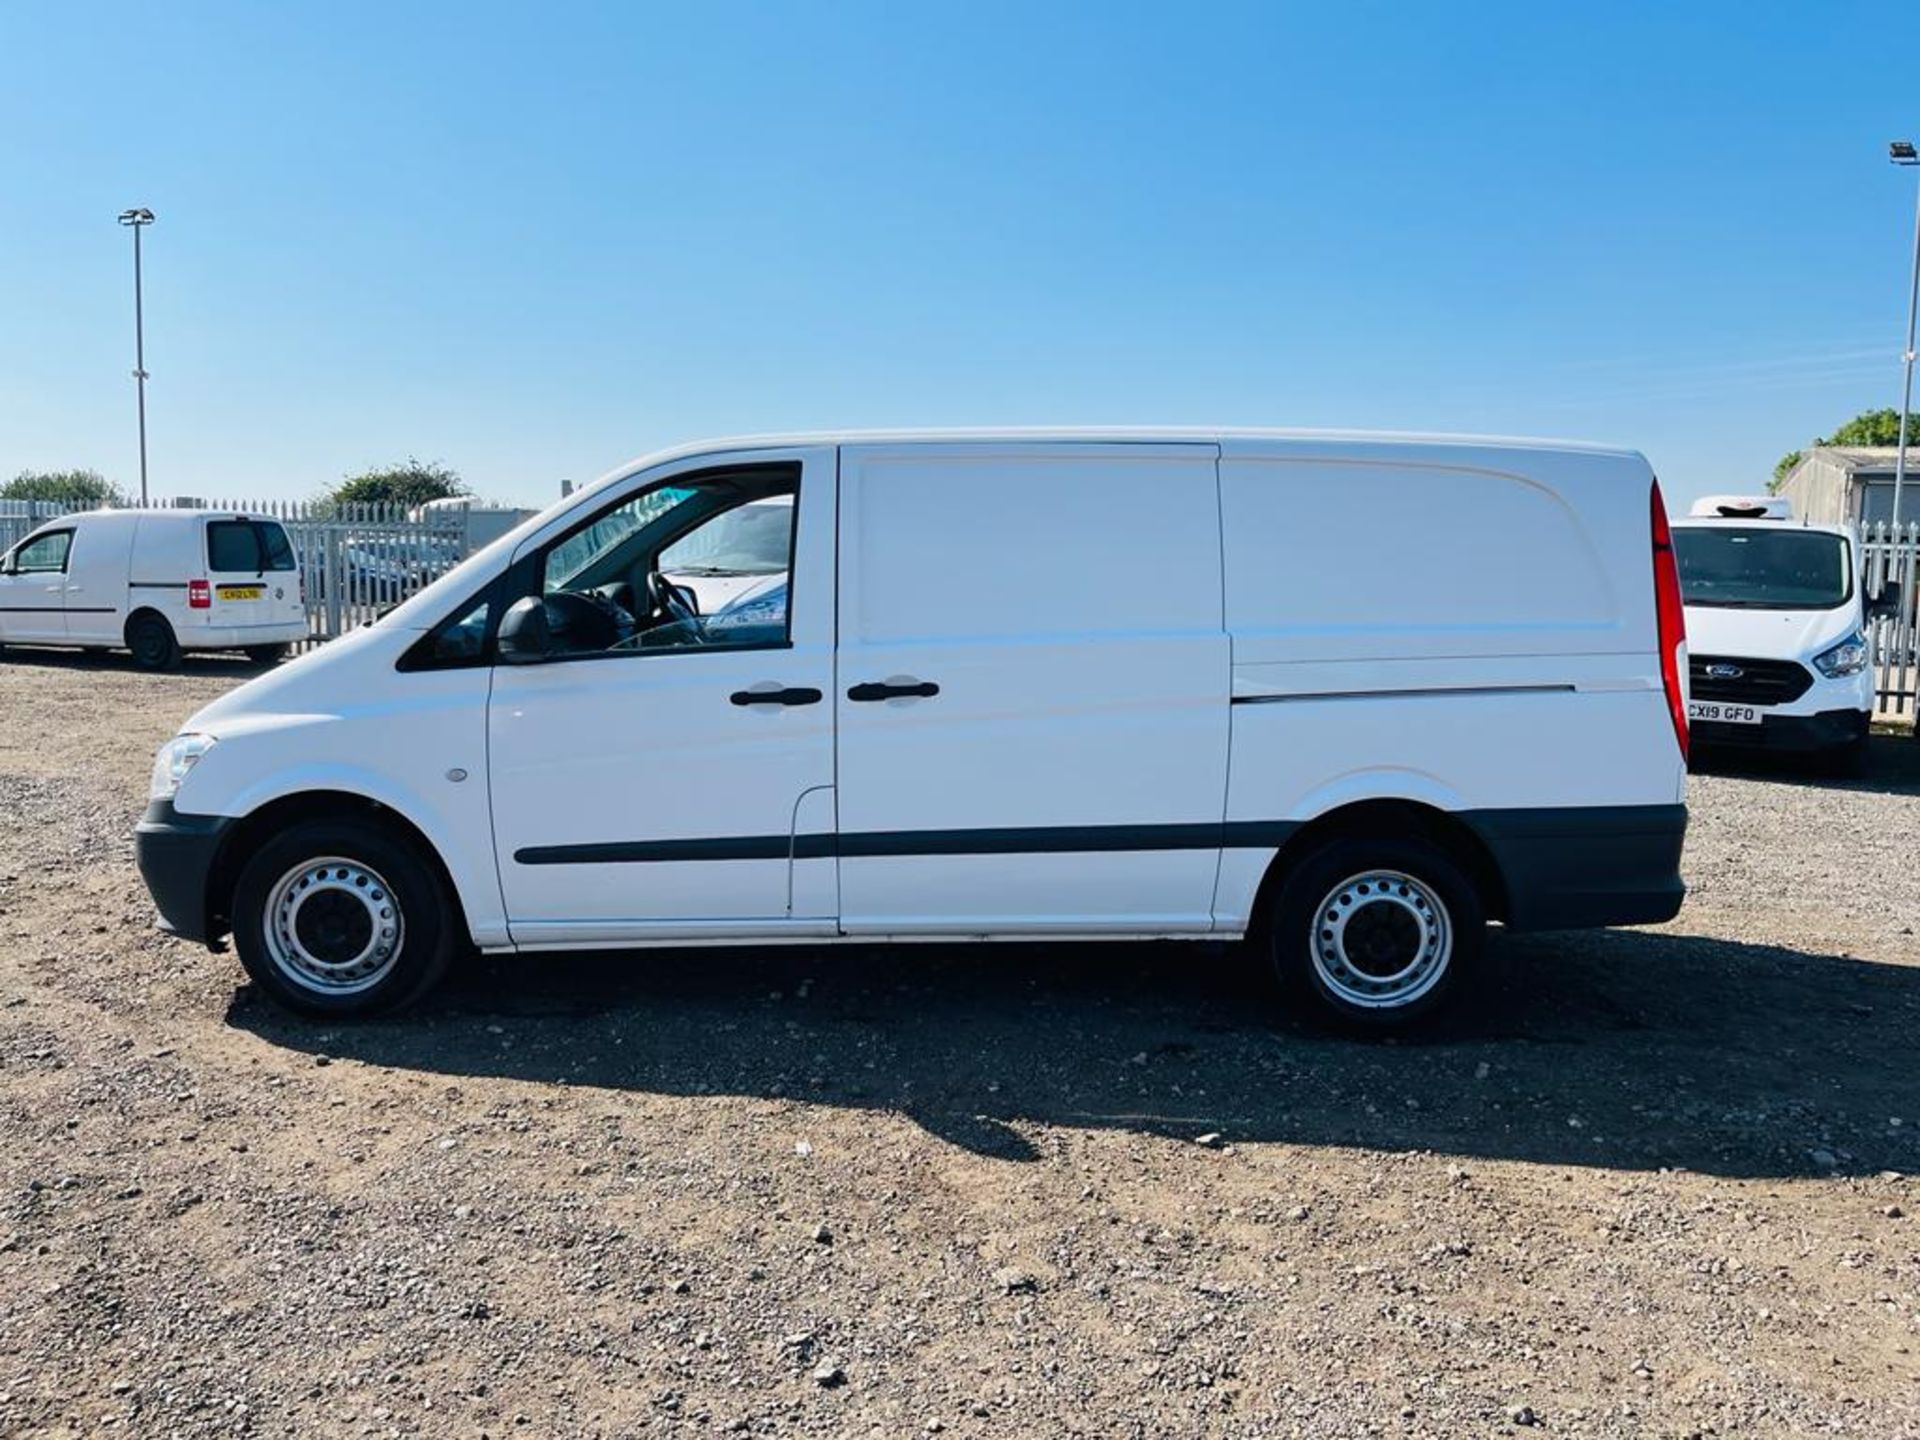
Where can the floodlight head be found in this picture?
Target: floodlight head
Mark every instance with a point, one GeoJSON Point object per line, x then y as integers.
{"type": "Point", "coordinates": [1901, 152]}
{"type": "Point", "coordinates": [139, 215]}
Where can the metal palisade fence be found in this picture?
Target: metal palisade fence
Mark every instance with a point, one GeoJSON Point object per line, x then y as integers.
{"type": "Point", "coordinates": [1894, 558]}
{"type": "Point", "coordinates": [356, 561]}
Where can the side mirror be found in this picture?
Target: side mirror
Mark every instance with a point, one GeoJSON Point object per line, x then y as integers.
{"type": "Point", "coordinates": [1886, 605]}
{"type": "Point", "coordinates": [526, 637]}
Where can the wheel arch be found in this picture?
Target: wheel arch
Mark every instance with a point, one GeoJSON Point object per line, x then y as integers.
{"type": "Point", "coordinates": [245, 835]}
{"type": "Point", "coordinates": [1386, 818]}
{"type": "Point", "coordinates": [139, 612]}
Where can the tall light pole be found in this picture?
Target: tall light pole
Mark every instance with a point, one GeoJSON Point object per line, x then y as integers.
{"type": "Point", "coordinates": [1901, 152]}
{"type": "Point", "coordinates": [137, 219]}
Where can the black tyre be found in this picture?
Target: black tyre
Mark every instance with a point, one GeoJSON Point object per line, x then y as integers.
{"type": "Point", "coordinates": [151, 640]}
{"type": "Point", "coordinates": [266, 654]}
{"type": "Point", "coordinates": [1378, 931]}
{"type": "Point", "coordinates": [342, 918]}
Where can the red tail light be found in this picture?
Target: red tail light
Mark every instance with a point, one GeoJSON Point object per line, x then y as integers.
{"type": "Point", "coordinates": [199, 595]}
{"type": "Point", "coordinates": [1672, 620]}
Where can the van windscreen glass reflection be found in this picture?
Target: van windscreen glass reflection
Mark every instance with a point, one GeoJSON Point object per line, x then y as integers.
{"type": "Point", "coordinates": [1763, 568]}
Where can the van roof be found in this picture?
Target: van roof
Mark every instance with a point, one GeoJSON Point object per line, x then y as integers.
{"type": "Point", "coordinates": [170, 511]}
{"type": "Point", "coordinates": [1454, 446]}
{"type": "Point", "coordinates": [1755, 522]}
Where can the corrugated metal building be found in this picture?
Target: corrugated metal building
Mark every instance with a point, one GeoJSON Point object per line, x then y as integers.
{"type": "Point", "coordinates": [1834, 484]}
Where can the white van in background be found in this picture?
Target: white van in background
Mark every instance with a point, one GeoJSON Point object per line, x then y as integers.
{"type": "Point", "coordinates": [1776, 630]}
{"type": "Point", "coordinates": [155, 582]}
{"type": "Point", "coordinates": [1316, 689]}
{"type": "Point", "coordinates": [738, 551]}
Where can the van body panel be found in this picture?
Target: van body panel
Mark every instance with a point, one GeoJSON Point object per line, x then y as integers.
{"type": "Point", "coordinates": [302, 729]}
{"type": "Point", "coordinates": [1072, 684]}
{"type": "Point", "coordinates": [33, 600]}
{"type": "Point", "coordinates": [253, 575]}
{"type": "Point", "coordinates": [1082, 687]}
{"type": "Point", "coordinates": [96, 593]}
{"type": "Point", "coordinates": [1295, 522]}
{"type": "Point", "coordinates": [631, 795]}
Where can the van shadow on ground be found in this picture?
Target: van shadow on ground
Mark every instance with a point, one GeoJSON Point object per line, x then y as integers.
{"type": "Point", "coordinates": [1628, 1049]}
{"type": "Point", "coordinates": [212, 663]}
{"type": "Point", "coordinates": [1892, 766]}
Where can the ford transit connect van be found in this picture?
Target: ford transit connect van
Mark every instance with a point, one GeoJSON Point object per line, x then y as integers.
{"type": "Point", "coordinates": [1776, 623]}
{"type": "Point", "coordinates": [155, 582]}
{"type": "Point", "coordinates": [1352, 696]}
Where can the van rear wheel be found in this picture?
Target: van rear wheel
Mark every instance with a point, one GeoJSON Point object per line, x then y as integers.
{"type": "Point", "coordinates": [152, 642]}
{"type": "Point", "coordinates": [342, 918]}
{"type": "Point", "coordinates": [266, 654]}
{"type": "Point", "coordinates": [1379, 932]}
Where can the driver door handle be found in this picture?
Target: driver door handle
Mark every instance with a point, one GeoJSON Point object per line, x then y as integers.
{"type": "Point", "coordinates": [794, 695]}
{"type": "Point", "coordinates": [885, 690]}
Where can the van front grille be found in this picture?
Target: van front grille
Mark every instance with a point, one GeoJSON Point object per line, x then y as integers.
{"type": "Point", "coordinates": [1748, 682]}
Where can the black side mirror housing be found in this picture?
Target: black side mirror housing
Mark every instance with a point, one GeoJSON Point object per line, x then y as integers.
{"type": "Point", "coordinates": [1886, 604]}
{"type": "Point", "coordinates": [526, 636]}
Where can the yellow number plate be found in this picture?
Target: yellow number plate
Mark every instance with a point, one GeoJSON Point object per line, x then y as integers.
{"type": "Point", "coordinates": [241, 592]}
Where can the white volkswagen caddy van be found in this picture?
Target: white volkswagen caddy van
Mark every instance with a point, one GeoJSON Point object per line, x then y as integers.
{"type": "Point", "coordinates": [1776, 623]}
{"type": "Point", "coordinates": [1355, 696]}
{"type": "Point", "coordinates": [155, 582]}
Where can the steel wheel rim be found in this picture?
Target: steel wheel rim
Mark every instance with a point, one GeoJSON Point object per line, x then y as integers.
{"type": "Point", "coordinates": [333, 926]}
{"type": "Point", "coordinates": [1380, 940]}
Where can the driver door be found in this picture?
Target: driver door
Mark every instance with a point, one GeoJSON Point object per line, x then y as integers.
{"type": "Point", "coordinates": [640, 791]}
{"type": "Point", "coordinates": [33, 588]}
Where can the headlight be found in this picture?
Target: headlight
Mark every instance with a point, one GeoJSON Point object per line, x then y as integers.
{"type": "Point", "coordinates": [176, 758]}
{"type": "Point", "coordinates": [1849, 657]}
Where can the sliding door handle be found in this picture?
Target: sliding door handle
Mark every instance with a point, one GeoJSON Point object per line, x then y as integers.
{"type": "Point", "coordinates": [894, 690]}
{"type": "Point", "coordinates": [794, 695]}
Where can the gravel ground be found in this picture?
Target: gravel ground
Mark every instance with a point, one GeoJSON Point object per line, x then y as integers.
{"type": "Point", "coordinates": [1655, 1183]}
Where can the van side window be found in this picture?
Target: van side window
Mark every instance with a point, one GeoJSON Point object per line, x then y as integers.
{"type": "Point", "coordinates": [702, 562]}
{"type": "Point", "coordinates": [458, 639]}
{"type": "Point", "coordinates": [44, 553]}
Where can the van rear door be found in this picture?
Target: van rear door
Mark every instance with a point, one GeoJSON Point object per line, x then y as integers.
{"type": "Point", "coordinates": [252, 573]}
{"type": "Point", "coordinates": [1033, 688]}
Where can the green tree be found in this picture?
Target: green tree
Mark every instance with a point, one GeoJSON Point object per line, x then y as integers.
{"type": "Point", "coordinates": [1869, 427]}
{"type": "Point", "coordinates": [81, 489]}
{"type": "Point", "coordinates": [410, 484]}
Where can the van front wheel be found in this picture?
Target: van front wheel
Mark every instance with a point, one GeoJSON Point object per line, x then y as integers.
{"type": "Point", "coordinates": [1380, 932]}
{"type": "Point", "coordinates": [341, 918]}
{"type": "Point", "coordinates": [152, 642]}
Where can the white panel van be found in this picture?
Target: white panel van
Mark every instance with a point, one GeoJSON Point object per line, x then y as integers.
{"type": "Point", "coordinates": [1777, 614]}
{"type": "Point", "coordinates": [155, 582]}
{"type": "Point", "coordinates": [1351, 696]}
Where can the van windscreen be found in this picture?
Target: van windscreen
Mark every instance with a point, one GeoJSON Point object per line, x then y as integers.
{"type": "Point", "coordinates": [1741, 567]}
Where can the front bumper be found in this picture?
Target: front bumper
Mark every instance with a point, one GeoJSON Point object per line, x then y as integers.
{"type": "Point", "coordinates": [176, 854]}
{"type": "Point", "coordinates": [1786, 734]}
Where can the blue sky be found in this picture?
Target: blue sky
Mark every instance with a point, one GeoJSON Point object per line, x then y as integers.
{"type": "Point", "coordinates": [533, 241]}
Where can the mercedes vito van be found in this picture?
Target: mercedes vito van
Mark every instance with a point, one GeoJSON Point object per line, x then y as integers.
{"type": "Point", "coordinates": [155, 582]}
{"type": "Point", "coordinates": [1354, 696]}
{"type": "Point", "coordinates": [1777, 623]}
